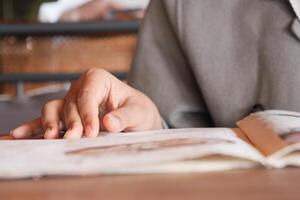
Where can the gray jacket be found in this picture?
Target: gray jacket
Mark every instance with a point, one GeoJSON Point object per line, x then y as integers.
{"type": "Point", "coordinates": [208, 62]}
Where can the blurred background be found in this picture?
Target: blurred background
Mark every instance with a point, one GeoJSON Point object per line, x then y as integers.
{"type": "Point", "coordinates": [46, 44]}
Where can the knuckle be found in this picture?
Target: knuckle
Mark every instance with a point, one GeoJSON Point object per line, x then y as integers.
{"type": "Point", "coordinates": [74, 123]}
{"type": "Point", "coordinates": [69, 108]}
{"type": "Point", "coordinates": [81, 97]}
{"type": "Point", "coordinates": [85, 118]}
{"type": "Point", "coordinates": [49, 125]}
{"type": "Point", "coordinates": [91, 71]}
{"type": "Point", "coordinates": [70, 96]}
{"type": "Point", "coordinates": [49, 105]}
{"type": "Point", "coordinates": [95, 72]}
{"type": "Point", "coordinates": [85, 94]}
{"type": "Point", "coordinates": [85, 91]}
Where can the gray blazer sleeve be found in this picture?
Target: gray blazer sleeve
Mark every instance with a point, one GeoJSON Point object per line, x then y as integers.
{"type": "Point", "coordinates": [161, 71]}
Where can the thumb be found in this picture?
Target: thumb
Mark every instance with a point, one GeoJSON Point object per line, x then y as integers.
{"type": "Point", "coordinates": [122, 118]}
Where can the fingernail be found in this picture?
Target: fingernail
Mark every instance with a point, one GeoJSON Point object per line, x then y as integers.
{"type": "Point", "coordinates": [11, 132]}
{"type": "Point", "coordinates": [71, 135]}
{"type": "Point", "coordinates": [48, 133]}
{"type": "Point", "coordinates": [88, 129]}
{"type": "Point", "coordinates": [115, 120]}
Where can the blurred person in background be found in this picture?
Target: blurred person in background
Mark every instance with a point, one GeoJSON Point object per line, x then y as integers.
{"type": "Point", "coordinates": [92, 10]}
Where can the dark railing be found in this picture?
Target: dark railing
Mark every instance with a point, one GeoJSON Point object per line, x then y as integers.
{"type": "Point", "coordinates": [34, 78]}
{"type": "Point", "coordinates": [85, 28]}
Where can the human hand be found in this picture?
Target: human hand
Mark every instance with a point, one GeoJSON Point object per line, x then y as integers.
{"type": "Point", "coordinates": [96, 102]}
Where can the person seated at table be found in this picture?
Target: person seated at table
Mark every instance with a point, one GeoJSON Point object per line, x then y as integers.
{"type": "Point", "coordinates": [198, 63]}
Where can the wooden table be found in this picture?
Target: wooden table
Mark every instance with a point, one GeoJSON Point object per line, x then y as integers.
{"type": "Point", "coordinates": [244, 184]}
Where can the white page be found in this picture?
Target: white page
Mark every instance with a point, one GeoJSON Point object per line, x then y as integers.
{"type": "Point", "coordinates": [286, 124]}
{"type": "Point", "coordinates": [110, 153]}
{"type": "Point", "coordinates": [288, 156]}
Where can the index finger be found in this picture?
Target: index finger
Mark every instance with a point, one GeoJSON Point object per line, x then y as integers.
{"type": "Point", "coordinates": [91, 93]}
{"type": "Point", "coordinates": [27, 130]}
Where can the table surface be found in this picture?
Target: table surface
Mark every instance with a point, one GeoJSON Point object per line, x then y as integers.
{"type": "Point", "coordinates": [243, 184]}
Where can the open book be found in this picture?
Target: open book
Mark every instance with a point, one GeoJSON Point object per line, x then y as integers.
{"type": "Point", "coordinates": [268, 139]}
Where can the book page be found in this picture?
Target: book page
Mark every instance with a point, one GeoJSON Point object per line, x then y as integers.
{"type": "Point", "coordinates": [277, 134]}
{"type": "Point", "coordinates": [287, 125]}
{"type": "Point", "coordinates": [163, 151]}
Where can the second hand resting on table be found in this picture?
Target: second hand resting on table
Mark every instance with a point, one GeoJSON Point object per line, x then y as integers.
{"type": "Point", "coordinates": [96, 102]}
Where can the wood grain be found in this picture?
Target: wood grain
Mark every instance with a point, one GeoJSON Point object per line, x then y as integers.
{"type": "Point", "coordinates": [246, 184]}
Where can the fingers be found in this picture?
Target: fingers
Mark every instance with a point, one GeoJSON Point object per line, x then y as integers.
{"type": "Point", "coordinates": [29, 129]}
{"type": "Point", "coordinates": [72, 121]}
{"type": "Point", "coordinates": [51, 118]}
{"type": "Point", "coordinates": [123, 118]}
{"type": "Point", "coordinates": [138, 113]}
{"type": "Point", "coordinates": [94, 89]}
{"type": "Point", "coordinates": [71, 116]}
{"type": "Point", "coordinates": [88, 109]}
